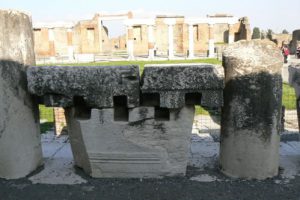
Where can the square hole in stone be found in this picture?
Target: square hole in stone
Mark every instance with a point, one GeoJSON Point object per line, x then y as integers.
{"type": "Point", "coordinates": [120, 108]}
{"type": "Point", "coordinates": [150, 99]}
{"type": "Point", "coordinates": [120, 101]}
{"type": "Point", "coordinates": [193, 98]}
{"type": "Point", "coordinates": [161, 114]}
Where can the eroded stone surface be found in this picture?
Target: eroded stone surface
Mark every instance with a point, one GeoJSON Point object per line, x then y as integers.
{"type": "Point", "coordinates": [20, 148]}
{"type": "Point", "coordinates": [250, 124]}
{"type": "Point", "coordinates": [294, 78]}
{"type": "Point", "coordinates": [148, 145]}
{"type": "Point", "coordinates": [176, 84]}
{"type": "Point", "coordinates": [96, 86]}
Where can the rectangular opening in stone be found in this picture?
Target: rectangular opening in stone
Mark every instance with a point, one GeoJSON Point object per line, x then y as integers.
{"type": "Point", "coordinates": [81, 110]}
{"type": "Point", "coordinates": [120, 101]}
{"type": "Point", "coordinates": [120, 108]}
{"type": "Point", "coordinates": [150, 99]}
{"type": "Point", "coordinates": [193, 98]}
{"type": "Point", "coordinates": [161, 114]}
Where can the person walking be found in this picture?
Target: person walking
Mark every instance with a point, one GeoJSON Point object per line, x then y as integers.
{"type": "Point", "coordinates": [285, 53]}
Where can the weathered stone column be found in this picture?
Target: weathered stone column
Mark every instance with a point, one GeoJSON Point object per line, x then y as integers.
{"type": "Point", "coordinates": [191, 41]}
{"type": "Point", "coordinates": [20, 148]}
{"type": "Point", "coordinates": [150, 42]}
{"type": "Point", "coordinates": [170, 23]}
{"type": "Point", "coordinates": [130, 46]}
{"type": "Point", "coordinates": [250, 124]}
{"type": "Point", "coordinates": [211, 42]}
{"type": "Point", "coordinates": [230, 34]}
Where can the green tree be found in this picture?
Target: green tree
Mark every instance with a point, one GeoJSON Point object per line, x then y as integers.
{"type": "Point", "coordinates": [256, 33]}
{"type": "Point", "coordinates": [269, 34]}
{"type": "Point", "coordinates": [262, 35]}
{"type": "Point", "coordinates": [285, 31]}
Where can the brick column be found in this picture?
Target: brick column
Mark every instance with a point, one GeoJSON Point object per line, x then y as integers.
{"type": "Point", "coordinates": [59, 120]}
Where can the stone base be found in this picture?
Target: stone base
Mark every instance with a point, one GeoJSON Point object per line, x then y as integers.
{"type": "Point", "coordinates": [136, 143]}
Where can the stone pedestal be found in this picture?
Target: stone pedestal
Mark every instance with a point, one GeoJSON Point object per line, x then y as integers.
{"type": "Point", "coordinates": [144, 144]}
{"type": "Point", "coordinates": [20, 148]}
{"type": "Point", "coordinates": [252, 109]}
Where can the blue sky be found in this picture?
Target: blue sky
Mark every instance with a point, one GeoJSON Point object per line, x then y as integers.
{"type": "Point", "coordinates": [274, 14]}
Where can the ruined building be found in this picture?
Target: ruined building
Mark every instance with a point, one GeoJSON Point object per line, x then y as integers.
{"type": "Point", "coordinates": [162, 35]}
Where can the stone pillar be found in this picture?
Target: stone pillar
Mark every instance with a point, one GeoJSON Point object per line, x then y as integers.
{"type": "Point", "coordinates": [211, 42]}
{"type": "Point", "coordinates": [150, 42]}
{"type": "Point", "coordinates": [230, 34]}
{"type": "Point", "coordinates": [170, 41]}
{"type": "Point", "coordinates": [130, 46]}
{"type": "Point", "coordinates": [100, 34]}
{"type": "Point", "coordinates": [250, 124]}
{"type": "Point", "coordinates": [191, 41]}
{"type": "Point", "coordinates": [70, 45]}
{"type": "Point", "coordinates": [170, 23]}
{"type": "Point", "coordinates": [51, 44]}
{"type": "Point", "coordinates": [20, 145]}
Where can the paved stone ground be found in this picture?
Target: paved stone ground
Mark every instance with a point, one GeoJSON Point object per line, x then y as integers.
{"type": "Point", "coordinates": [58, 179]}
{"type": "Point", "coordinates": [285, 73]}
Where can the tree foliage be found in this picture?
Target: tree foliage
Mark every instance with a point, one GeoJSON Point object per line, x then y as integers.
{"type": "Point", "coordinates": [256, 33]}
{"type": "Point", "coordinates": [285, 31]}
{"type": "Point", "coordinates": [269, 34]}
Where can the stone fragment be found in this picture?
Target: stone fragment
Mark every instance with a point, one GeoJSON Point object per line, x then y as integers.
{"type": "Point", "coordinates": [250, 124]}
{"type": "Point", "coordinates": [20, 145]}
{"type": "Point", "coordinates": [184, 84]}
{"type": "Point", "coordinates": [95, 86]}
{"type": "Point", "coordinates": [149, 142]}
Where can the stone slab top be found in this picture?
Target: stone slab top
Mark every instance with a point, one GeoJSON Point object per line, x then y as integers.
{"type": "Point", "coordinates": [253, 56]}
{"type": "Point", "coordinates": [96, 85]}
{"type": "Point", "coordinates": [174, 77]}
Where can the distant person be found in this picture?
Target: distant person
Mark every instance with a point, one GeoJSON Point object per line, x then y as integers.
{"type": "Point", "coordinates": [285, 53]}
